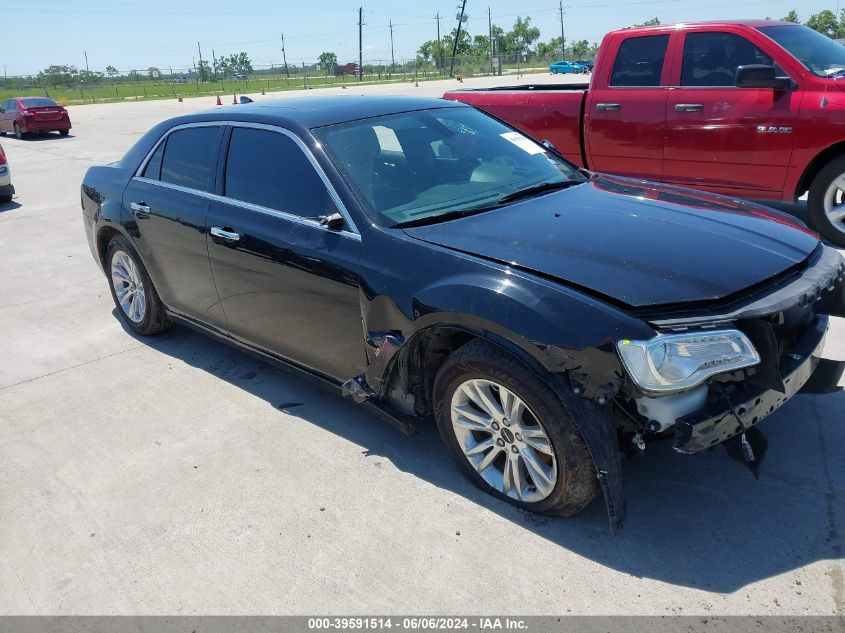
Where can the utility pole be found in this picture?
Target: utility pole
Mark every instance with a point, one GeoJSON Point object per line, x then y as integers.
{"type": "Point", "coordinates": [562, 39]}
{"type": "Point", "coordinates": [202, 70]}
{"type": "Point", "coordinates": [457, 37]}
{"type": "Point", "coordinates": [439, 44]}
{"type": "Point", "coordinates": [214, 66]}
{"type": "Point", "coordinates": [490, 28]}
{"type": "Point", "coordinates": [360, 43]}
{"type": "Point", "coordinates": [392, 58]}
{"type": "Point", "coordinates": [284, 57]}
{"type": "Point", "coordinates": [87, 73]}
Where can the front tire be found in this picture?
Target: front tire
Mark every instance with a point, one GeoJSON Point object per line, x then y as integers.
{"type": "Point", "coordinates": [826, 202]}
{"type": "Point", "coordinates": [132, 289]}
{"type": "Point", "coordinates": [510, 434]}
{"type": "Point", "coordinates": [64, 132]}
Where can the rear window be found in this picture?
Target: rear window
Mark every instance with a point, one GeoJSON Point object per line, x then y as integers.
{"type": "Point", "coordinates": [189, 156]}
{"type": "Point", "coordinates": [39, 102]}
{"type": "Point", "coordinates": [639, 61]}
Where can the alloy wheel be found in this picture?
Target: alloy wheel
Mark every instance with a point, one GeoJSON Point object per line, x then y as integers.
{"type": "Point", "coordinates": [128, 286]}
{"type": "Point", "coordinates": [834, 203]}
{"type": "Point", "coordinates": [503, 440]}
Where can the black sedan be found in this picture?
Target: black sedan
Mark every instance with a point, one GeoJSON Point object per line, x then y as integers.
{"type": "Point", "coordinates": [432, 262]}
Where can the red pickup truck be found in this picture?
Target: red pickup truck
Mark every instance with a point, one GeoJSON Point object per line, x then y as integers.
{"type": "Point", "coordinates": [752, 109]}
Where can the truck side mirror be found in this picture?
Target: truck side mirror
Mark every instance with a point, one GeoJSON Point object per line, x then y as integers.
{"type": "Point", "coordinates": [759, 76]}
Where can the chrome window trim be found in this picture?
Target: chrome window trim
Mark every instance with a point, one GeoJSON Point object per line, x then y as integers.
{"type": "Point", "coordinates": [353, 229]}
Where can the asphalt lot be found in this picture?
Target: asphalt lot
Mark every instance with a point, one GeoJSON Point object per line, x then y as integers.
{"type": "Point", "coordinates": [179, 476]}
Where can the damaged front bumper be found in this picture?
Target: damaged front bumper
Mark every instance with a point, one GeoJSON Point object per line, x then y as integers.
{"type": "Point", "coordinates": [734, 413]}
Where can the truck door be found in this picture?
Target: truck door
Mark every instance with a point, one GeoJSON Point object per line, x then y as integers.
{"type": "Point", "coordinates": [730, 139]}
{"type": "Point", "coordinates": [625, 115]}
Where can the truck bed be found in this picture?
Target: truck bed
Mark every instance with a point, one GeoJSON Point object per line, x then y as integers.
{"type": "Point", "coordinates": [550, 112]}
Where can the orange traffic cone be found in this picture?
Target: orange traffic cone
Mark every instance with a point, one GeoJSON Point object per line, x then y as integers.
{"type": "Point", "coordinates": [234, 99]}
{"type": "Point", "coordinates": [219, 100]}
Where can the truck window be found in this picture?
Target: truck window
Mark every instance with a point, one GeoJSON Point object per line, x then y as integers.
{"type": "Point", "coordinates": [639, 61]}
{"type": "Point", "coordinates": [711, 58]}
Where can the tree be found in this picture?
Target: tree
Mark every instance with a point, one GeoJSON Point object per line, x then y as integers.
{"type": "Point", "coordinates": [523, 35]}
{"type": "Point", "coordinates": [547, 50]}
{"type": "Point", "coordinates": [153, 72]}
{"type": "Point", "coordinates": [239, 63]}
{"type": "Point", "coordinates": [651, 22]}
{"type": "Point", "coordinates": [581, 49]}
{"type": "Point", "coordinates": [825, 22]}
{"type": "Point", "coordinates": [792, 16]}
{"type": "Point", "coordinates": [464, 43]}
{"type": "Point", "coordinates": [59, 75]}
{"type": "Point", "coordinates": [112, 72]}
{"type": "Point", "coordinates": [204, 70]}
{"type": "Point", "coordinates": [328, 62]}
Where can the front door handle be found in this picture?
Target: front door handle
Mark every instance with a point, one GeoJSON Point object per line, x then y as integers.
{"type": "Point", "coordinates": [689, 107]}
{"type": "Point", "coordinates": [140, 209]}
{"type": "Point", "coordinates": [609, 107]}
{"type": "Point", "coordinates": [223, 234]}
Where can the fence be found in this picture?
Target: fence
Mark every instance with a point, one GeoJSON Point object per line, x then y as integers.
{"type": "Point", "coordinates": [171, 82]}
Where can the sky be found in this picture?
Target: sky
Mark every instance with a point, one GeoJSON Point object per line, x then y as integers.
{"type": "Point", "coordinates": [129, 34]}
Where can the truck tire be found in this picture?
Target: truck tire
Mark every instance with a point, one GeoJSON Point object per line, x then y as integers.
{"type": "Point", "coordinates": [509, 433]}
{"type": "Point", "coordinates": [826, 202]}
{"type": "Point", "coordinates": [132, 289]}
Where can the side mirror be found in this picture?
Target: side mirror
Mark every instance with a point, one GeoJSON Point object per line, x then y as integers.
{"type": "Point", "coordinates": [759, 76]}
{"type": "Point", "coordinates": [333, 221]}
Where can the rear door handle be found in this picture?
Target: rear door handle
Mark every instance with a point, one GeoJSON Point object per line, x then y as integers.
{"type": "Point", "coordinates": [223, 234]}
{"type": "Point", "coordinates": [609, 107]}
{"type": "Point", "coordinates": [689, 107]}
{"type": "Point", "coordinates": [140, 209]}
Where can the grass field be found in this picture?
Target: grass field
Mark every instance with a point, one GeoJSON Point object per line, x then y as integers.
{"type": "Point", "coordinates": [150, 90]}
{"type": "Point", "coordinates": [162, 90]}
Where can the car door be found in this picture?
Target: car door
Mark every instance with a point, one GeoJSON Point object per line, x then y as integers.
{"type": "Point", "coordinates": [4, 108]}
{"type": "Point", "coordinates": [725, 137]}
{"type": "Point", "coordinates": [167, 205]}
{"type": "Point", "coordinates": [626, 112]}
{"type": "Point", "coordinates": [288, 284]}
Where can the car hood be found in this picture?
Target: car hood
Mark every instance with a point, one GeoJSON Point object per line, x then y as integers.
{"type": "Point", "coordinates": [635, 243]}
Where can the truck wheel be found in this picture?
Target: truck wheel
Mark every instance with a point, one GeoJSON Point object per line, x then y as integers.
{"type": "Point", "coordinates": [133, 291]}
{"type": "Point", "coordinates": [826, 202]}
{"type": "Point", "coordinates": [510, 434]}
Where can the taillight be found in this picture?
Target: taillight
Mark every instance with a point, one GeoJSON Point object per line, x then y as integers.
{"type": "Point", "coordinates": [28, 113]}
{"type": "Point", "coordinates": [2, 157]}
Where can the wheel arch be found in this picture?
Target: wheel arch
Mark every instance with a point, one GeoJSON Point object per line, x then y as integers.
{"type": "Point", "coordinates": [816, 165]}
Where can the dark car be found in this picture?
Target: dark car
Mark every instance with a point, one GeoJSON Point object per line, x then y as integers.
{"type": "Point", "coordinates": [430, 261]}
{"type": "Point", "coordinates": [587, 63]}
{"type": "Point", "coordinates": [38, 115]}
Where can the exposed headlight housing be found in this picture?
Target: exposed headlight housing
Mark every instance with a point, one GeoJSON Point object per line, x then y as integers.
{"type": "Point", "coordinates": [674, 362]}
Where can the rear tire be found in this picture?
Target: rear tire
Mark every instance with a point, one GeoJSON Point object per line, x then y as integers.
{"type": "Point", "coordinates": [826, 202]}
{"type": "Point", "coordinates": [137, 301]}
{"type": "Point", "coordinates": [64, 132]}
{"type": "Point", "coordinates": [529, 452]}
{"type": "Point", "coordinates": [18, 133]}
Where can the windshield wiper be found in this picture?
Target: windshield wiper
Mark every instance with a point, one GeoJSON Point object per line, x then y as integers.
{"type": "Point", "coordinates": [442, 217]}
{"type": "Point", "coordinates": [534, 190]}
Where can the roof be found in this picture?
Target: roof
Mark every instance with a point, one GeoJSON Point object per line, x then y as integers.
{"type": "Point", "coordinates": [313, 112]}
{"type": "Point", "coordinates": [755, 23]}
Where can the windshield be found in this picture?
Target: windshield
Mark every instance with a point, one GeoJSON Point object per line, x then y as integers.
{"type": "Point", "coordinates": [418, 165]}
{"type": "Point", "coordinates": [819, 53]}
{"type": "Point", "coordinates": [38, 102]}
